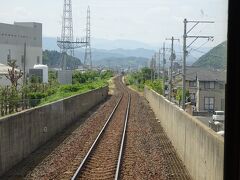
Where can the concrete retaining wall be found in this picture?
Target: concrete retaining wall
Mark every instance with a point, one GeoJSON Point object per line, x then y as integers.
{"type": "Point", "coordinates": [22, 133]}
{"type": "Point", "coordinates": [200, 148]}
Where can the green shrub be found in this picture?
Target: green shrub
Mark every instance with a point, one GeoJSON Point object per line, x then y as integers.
{"type": "Point", "coordinates": [90, 86]}
{"type": "Point", "coordinates": [51, 91]}
{"type": "Point", "coordinates": [70, 88]}
{"type": "Point", "coordinates": [156, 85]}
{"type": "Point", "coordinates": [36, 97]}
{"type": "Point", "coordinates": [90, 76]}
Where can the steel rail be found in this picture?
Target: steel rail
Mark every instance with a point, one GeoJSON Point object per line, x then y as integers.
{"type": "Point", "coordinates": [77, 173]}
{"type": "Point", "coordinates": [123, 139]}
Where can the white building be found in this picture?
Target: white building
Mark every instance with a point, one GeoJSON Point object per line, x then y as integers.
{"type": "Point", "coordinates": [12, 42]}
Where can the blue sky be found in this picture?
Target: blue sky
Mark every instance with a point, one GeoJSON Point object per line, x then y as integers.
{"type": "Point", "coordinates": [149, 21]}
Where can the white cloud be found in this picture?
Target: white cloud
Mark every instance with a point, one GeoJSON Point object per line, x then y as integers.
{"type": "Point", "coordinates": [144, 20]}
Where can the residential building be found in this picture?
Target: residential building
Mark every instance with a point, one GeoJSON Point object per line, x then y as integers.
{"type": "Point", "coordinates": [206, 88]}
{"type": "Point", "coordinates": [177, 67]}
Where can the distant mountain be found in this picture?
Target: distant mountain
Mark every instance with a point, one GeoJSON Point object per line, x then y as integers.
{"type": "Point", "coordinates": [124, 63]}
{"type": "Point", "coordinates": [216, 58]}
{"type": "Point", "coordinates": [50, 43]}
{"type": "Point", "coordinates": [53, 60]}
{"type": "Point", "coordinates": [139, 52]}
{"type": "Point", "coordinates": [103, 49]}
{"type": "Point", "coordinates": [99, 54]}
{"type": "Point", "coordinates": [121, 43]}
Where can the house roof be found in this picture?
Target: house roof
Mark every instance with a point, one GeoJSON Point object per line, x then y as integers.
{"type": "Point", "coordinates": [204, 74]}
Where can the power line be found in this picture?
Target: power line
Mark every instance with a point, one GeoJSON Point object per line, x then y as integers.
{"type": "Point", "coordinates": [193, 56]}
{"type": "Point", "coordinates": [199, 46]}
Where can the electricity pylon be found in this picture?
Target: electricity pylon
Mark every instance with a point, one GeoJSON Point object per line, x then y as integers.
{"type": "Point", "coordinates": [88, 52]}
{"type": "Point", "coordinates": [66, 43]}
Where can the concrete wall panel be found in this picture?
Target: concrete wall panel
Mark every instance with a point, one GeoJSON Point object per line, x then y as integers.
{"type": "Point", "coordinates": [200, 148]}
{"type": "Point", "coordinates": [22, 133]}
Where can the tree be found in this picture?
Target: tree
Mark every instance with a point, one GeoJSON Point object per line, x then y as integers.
{"type": "Point", "coordinates": [13, 74]}
{"type": "Point", "coordinates": [179, 95]}
{"type": "Point", "coordinates": [156, 85]}
{"type": "Point", "coordinates": [53, 59]}
{"type": "Point", "coordinates": [146, 74]}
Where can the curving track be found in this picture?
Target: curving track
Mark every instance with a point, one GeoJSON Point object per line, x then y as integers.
{"type": "Point", "coordinates": [103, 160]}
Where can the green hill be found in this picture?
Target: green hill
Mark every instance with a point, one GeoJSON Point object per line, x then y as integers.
{"type": "Point", "coordinates": [53, 60]}
{"type": "Point", "coordinates": [216, 58]}
{"type": "Point", "coordinates": [123, 62]}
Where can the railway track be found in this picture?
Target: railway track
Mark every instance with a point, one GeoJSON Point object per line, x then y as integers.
{"type": "Point", "coordinates": [148, 153]}
{"type": "Point", "coordinates": [103, 160]}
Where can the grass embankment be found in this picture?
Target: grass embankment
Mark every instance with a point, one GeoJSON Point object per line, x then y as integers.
{"type": "Point", "coordinates": [82, 82]}
{"type": "Point", "coordinates": [137, 81]}
{"type": "Point", "coordinates": [34, 93]}
{"type": "Point", "coordinates": [65, 91]}
{"type": "Point", "coordinates": [111, 85]}
{"type": "Point", "coordinates": [129, 80]}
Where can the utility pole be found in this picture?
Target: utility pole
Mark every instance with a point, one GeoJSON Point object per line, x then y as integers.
{"type": "Point", "coordinates": [163, 65]}
{"type": "Point", "coordinates": [172, 57]}
{"type": "Point", "coordinates": [150, 66]}
{"type": "Point", "coordinates": [155, 65]}
{"type": "Point", "coordinates": [185, 36]}
{"type": "Point", "coordinates": [159, 64]}
{"type": "Point", "coordinates": [9, 57]}
{"type": "Point", "coordinates": [24, 63]}
{"type": "Point", "coordinates": [164, 62]}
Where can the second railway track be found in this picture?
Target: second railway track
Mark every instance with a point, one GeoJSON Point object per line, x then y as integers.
{"type": "Point", "coordinates": [103, 160]}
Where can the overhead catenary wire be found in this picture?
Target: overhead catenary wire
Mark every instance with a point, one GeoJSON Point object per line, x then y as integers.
{"type": "Point", "coordinates": [199, 46]}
